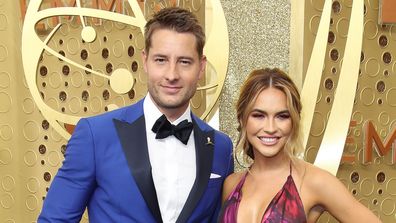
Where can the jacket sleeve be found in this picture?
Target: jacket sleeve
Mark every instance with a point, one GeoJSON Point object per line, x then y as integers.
{"type": "Point", "coordinates": [74, 183]}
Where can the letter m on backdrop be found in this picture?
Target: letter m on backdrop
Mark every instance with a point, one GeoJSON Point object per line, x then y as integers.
{"type": "Point", "coordinates": [372, 138]}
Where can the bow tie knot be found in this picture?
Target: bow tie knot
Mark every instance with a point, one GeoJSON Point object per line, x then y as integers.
{"type": "Point", "coordinates": [163, 128]}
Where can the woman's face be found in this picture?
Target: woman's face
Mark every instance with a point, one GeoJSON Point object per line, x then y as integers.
{"type": "Point", "coordinates": [269, 123]}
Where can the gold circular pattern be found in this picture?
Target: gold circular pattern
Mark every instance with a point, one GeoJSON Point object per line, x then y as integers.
{"type": "Point", "coordinates": [118, 48]}
{"type": "Point", "coordinates": [3, 53]}
{"type": "Point", "coordinates": [367, 96]}
{"type": "Point", "coordinates": [33, 185]}
{"type": "Point", "coordinates": [6, 132]}
{"type": "Point", "coordinates": [107, 26]}
{"type": "Point", "coordinates": [392, 125]}
{"type": "Point", "coordinates": [28, 106]}
{"type": "Point", "coordinates": [65, 29]}
{"type": "Point", "coordinates": [314, 24]}
{"type": "Point", "coordinates": [373, 4]}
{"type": "Point", "coordinates": [55, 80]}
{"type": "Point", "coordinates": [366, 187]}
{"type": "Point", "coordinates": [390, 186]}
{"type": "Point", "coordinates": [391, 97]}
{"type": "Point", "coordinates": [98, 81]}
{"type": "Point", "coordinates": [53, 103]}
{"type": "Point", "coordinates": [77, 79]}
{"type": "Point", "coordinates": [3, 22]}
{"type": "Point", "coordinates": [95, 104]}
{"type": "Point", "coordinates": [357, 132]}
{"type": "Point", "coordinates": [392, 32]}
{"type": "Point", "coordinates": [5, 156]}
{"type": "Point", "coordinates": [358, 117]}
{"type": "Point", "coordinates": [383, 133]}
{"type": "Point", "coordinates": [73, 46]}
{"type": "Point", "coordinates": [31, 131]}
{"type": "Point", "coordinates": [31, 202]}
{"type": "Point", "coordinates": [196, 5]}
{"type": "Point", "coordinates": [5, 79]}
{"type": "Point", "coordinates": [387, 206]}
{"type": "Point", "coordinates": [317, 4]}
{"type": "Point", "coordinates": [370, 29]}
{"type": "Point", "coordinates": [94, 47]}
{"type": "Point", "coordinates": [139, 41]}
{"type": "Point", "coordinates": [352, 148]}
{"type": "Point", "coordinates": [310, 153]}
{"type": "Point", "coordinates": [8, 183]}
{"type": "Point", "coordinates": [7, 200]}
{"type": "Point", "coordinates": [6, 102]}
{"type": "Point", "coordinates": [342, 27]}
{"type": "Point", "coordinates": [372, 67]}
{"type": "Point", "coordinates": [30, 158]}
{"type": "Point", "coordinates": [384, 118]}
{"type": "Point", "coordinates": [54, 158]}
{"type": "Point", "coordinates": [74, 105]}
{"type": "Point", "coordinates": [119, 101]}
{"type": "Point", "coordinates": [197, 100]}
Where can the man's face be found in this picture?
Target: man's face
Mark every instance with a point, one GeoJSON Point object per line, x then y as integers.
{"type": "Point", "coordinates": [174, 69]}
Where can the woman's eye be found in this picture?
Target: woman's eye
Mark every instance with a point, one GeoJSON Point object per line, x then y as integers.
{"type": "Point", "coordinates": [257, 115]}
{"type": "Point", "coordinates": [284, 116]}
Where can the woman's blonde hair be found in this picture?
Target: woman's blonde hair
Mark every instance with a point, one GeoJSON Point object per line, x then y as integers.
{"type": "Point", "coordinates": [256, 82]}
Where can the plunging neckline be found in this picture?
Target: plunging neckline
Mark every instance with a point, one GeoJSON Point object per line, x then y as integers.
{"type": "Point", "coordinates": [285, 206]}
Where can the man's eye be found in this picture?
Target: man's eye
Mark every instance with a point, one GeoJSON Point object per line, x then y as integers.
{"type": "Point", "coordinates": [185, 62]}
{"type": "Point", "coordinates": [159, 60]}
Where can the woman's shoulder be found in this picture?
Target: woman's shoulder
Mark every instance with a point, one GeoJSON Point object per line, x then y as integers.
{"type": "Point", "coordinates": [314, 177]}
{"type": "Point", "coordinates": [232, 181]}
{"type": "Point", "coordinates": [234, 178]}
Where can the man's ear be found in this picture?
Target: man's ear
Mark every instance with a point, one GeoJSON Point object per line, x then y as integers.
{"type": "Point", "coordinates": [202, 66]}
{"type": "Point", "coordinates": [144, 60]}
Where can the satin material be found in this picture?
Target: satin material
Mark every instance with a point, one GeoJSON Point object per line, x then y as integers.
{"type": "Point", "coordinates": [285, 207]}
{"type": "Point", "coordinates": [164, 128]}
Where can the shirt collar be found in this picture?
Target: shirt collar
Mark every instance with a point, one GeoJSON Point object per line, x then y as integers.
{"type": "Point", "coordinates": [152, 113]}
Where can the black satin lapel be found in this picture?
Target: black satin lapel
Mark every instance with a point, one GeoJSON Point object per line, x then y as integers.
{"type": "Point", "coordinates": [134, 144]}
{"type": "Point", "coordinates": [204, 146]}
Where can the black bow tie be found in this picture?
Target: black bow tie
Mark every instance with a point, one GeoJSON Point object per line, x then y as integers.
{"type": "Point", "coordinates": [163, 128]}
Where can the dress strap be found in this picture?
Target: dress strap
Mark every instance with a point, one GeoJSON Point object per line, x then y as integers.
{"type": "Point", "coordinates": [290, 164]}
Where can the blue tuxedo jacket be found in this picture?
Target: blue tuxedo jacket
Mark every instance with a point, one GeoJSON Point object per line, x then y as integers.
{"type": "Point", "coordinates": [107, 169]}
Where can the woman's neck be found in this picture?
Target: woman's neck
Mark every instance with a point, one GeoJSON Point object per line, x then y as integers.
{"type": "Point", "coordinates": [276, 163]}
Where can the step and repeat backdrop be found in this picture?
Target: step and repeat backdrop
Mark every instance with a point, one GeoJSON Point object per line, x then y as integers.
{"type": "Point", "coordinates": [61, 60]}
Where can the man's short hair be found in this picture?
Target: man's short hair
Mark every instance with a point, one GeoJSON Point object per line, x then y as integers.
{"type": "Point", "coordinates": [179, 20]}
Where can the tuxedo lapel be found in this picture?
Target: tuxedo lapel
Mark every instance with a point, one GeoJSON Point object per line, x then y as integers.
{"type": "Point", "coordinates": [134, 143]}
{"type": "Point", "coordinates": [204, 146]}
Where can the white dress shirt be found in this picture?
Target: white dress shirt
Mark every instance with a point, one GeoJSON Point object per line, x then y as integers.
{"type": "Point", "coordinates": [173, 164]}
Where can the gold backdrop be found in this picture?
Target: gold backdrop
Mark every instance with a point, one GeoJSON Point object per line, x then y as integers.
{"type": "Point", "coordinates": [261, 33]}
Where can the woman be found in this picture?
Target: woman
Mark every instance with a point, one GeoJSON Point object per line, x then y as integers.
{"type": "Point", "coordinates": [277, 186]}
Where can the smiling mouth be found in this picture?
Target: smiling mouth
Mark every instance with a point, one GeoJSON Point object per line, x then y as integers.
{"type": "Point", "coordinates": [269, 140]}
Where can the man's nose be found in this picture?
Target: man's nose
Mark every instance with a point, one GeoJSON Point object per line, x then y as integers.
{"type": "Point", "coordinates": [172, 73]}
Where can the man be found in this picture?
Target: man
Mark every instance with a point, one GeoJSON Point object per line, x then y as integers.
{"type": "Point", "coordinates": [124, 167]}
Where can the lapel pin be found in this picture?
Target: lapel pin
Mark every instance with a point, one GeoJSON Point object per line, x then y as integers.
{"type": "Point", "coordinates": [209, 142]}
